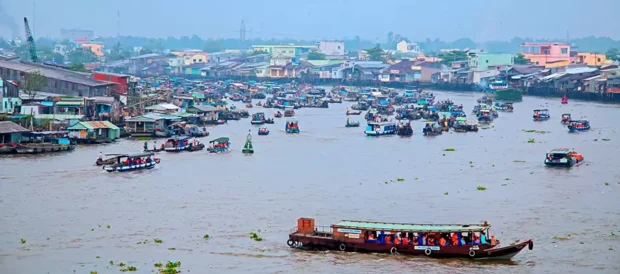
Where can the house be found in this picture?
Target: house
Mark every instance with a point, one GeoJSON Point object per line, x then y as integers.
{"type": "Point", "coordinates": [9, 97]}
{"type": "Point", "coordinates": [61, 49]}
{"type": "Point", "coordinates": [208, 114]}
{"type": "Point", "coordinates": [405, 71]}
{"type": "Point", "coordinates": [162, 108]}
{"type": "Point", "coordinates": [362, 70]}
{"type": "Point", "coordinates": [284, 50]}
{"type": "Point", "coordinates": [363, 55]}
{"type": "Point", "coordinates": [331, 48]}
{"type": "Point", "coordinates": [487, 65]}
{"type": "Point", "coordinates": [289, 69]}
{"type": "Point", "coordinates": [176, 65]}
{"type": "Point", "coordinates": [262, 71]}
{"type": "Point", "coordinates": [323, 69]}
{"type": "Point", "coordinates": [195, 58]}
{"type": "Point", "coordinates": [96, 48]}
{"type": "Point", "coordinates": [11, 132]}
{"type": "Point", "coordinates": [591, 59]}
{"type": "Point", "coordinates": [193, 69]}
{"type": "Point", "coordinates": [217, 57]}
{"type": "Point", "coordinates": [541, 53]}
{"type": "Point", "coordinates": [121, 80]}
{"type": "Point", "coordinates": [59, 81]}
{"type": "Point", "coordinates": [147, 124]}
{"type": "Point", "coordinates": [407, 47]}
{"type": "Point", "coordinates": [428, 69]}
{"type": "Point", "coordinates": [96, 130]}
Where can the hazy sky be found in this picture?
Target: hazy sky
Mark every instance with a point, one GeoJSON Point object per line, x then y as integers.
{"type": "Point", "coordinates": [480, 20]}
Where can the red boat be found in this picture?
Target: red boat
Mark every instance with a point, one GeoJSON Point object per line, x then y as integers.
{"type": "Point", "coordinates": [432, 240]}
{"type": "Point", "coordinates": [564, 99]}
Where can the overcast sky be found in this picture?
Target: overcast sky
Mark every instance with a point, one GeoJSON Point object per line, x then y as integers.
{"type": "Point", "coordinates": [480, 20]}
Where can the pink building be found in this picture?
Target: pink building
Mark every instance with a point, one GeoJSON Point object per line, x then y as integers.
{"type": "Point", "coordinates": [541, 53]}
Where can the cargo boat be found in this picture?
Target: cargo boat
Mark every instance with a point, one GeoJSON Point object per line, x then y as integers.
{"type": "Point", "coordinates": [455, 240]}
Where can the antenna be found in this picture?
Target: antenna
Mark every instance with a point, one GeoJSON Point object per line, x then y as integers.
{"type": "Point", "coordinates": [34, 18]}
{"type": "Point", "coordinates": [242, 31]}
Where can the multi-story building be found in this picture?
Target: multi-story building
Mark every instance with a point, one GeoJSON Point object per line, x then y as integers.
{"type": "Point", "coordinates": [331, 48]}
{"type": "Point", "coordinates": [542, 53]}
{"type": "Point", "coordinates": [407, 47]}
{"type": "Point", "coordinates": [289, 51]}
{"type": "Point", "coordinates": [591, 59]}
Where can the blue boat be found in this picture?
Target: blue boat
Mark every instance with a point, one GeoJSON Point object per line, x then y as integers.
{"type": "Point", "coordinates": [219, 145]}
{"type": "Point", "coordinates": [292, 126]}
{"type": "Point", "coordinates": [131, 162]}
{"type": "Point", "coordinates": [578, 125]}
{"type": "Point", "coordinates": [380, 128]}
{"type": "Point", "coordinates": [263, 131]}
{"type": "Point", "coordinates": [541, 114]}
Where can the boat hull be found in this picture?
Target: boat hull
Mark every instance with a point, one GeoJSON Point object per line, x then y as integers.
{"type": "Point", "coordinates": [578, 129]}
{"type": "Point", "coordinates": [40, 148]}
{"type": "Point", "coordinates": [379, 133]}
{"type": "Point", "coordinates": [307, 241]}
{"type": "Point", "coordinates": [114, 168]}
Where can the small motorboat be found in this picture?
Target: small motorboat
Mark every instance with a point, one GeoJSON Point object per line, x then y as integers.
{"type": "Point", "coordinates": [566, 118]}
{"type": "Point", "coordinates": [578, 125]}
{"type": "Point", "coordinates": [563, 157]}
{"type": "Point", "coordinates": [354, 112]}
{"type": "Point", "coordinates": [263, 131]}
{"type": "Point", "coordinates": [352, 123]}
{"type": "Point", "coordinates": [269, 121]}
{"type": "Point", "coordinates": [564, 100]}
{"type": "Point", "coordinates": [541, 114]}
{"type": "Point", "coordinates": [130, 162]}
{"type": "Point", "coordinates": [259, 104]}
{"type": "Point", "coordinates": [248, 105]}
{"type": "Point", "coordinates": [278, 114]}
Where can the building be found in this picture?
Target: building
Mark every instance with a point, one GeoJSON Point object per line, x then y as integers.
{"type": "Point", "coordinates": [331, 48]}
{"type": "Point", "coordinates": [176, 65]}
{"type": "Point", "coordinates": [11, 132]}
{"type": "Point", "coordinates": [9, 97]}
{"type": "Point", "coordinates": [591, 59]}
{"type": "Point", "coordinates": [290, 51]}
{"type": "Point", "coordinates": [121, 80]}
{"type": "Point", "coordinates": [541, 53]}
{"type": "Point", "coordinates": [59, 81]}
{"type": "Point", "coordinates": [218, 57]}
{"type": "Point", "coordinates": [407, 47]}
{"type": "Point", "coordinates": [485, 61]}
{"type": "Point", "coordinates": [405, 71]}
{"type": "Point", "coordinates": [195, 58]}
{"type": "Point", "coordinates": [96, 48]}
{"type": "Point", "coordinates": [61, 49]}
{"type": "Point", "coordinates": [147, 124]}
{"type": "Point", "coordinates": [71, 34]}
{"type": "Point", "coordinates": [93, 131]}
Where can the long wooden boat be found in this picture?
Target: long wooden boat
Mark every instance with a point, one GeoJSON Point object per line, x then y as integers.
{"type": "Point", "coordinates": [432, 240]}
{"type": "Point", "coordinates": [131, 162]}
{"type": "Point", "coordinates": [35, 148]}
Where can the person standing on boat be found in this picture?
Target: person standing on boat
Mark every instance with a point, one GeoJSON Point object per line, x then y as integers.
{"type": "Point", "coordinates": [154, 145]}
{"type": "Point", "coordinates": [100, 156]}
{"type": "Point", "coordinates": [146, 145]}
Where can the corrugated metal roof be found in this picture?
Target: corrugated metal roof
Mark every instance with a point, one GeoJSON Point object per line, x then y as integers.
{"type": "Point", "coordinates": [7, 127]}
{"type": "Point", "coordinates": [55, 73]}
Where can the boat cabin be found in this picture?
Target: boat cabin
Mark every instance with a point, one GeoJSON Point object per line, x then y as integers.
{"type": "Point", "coordinates": [541, 112]}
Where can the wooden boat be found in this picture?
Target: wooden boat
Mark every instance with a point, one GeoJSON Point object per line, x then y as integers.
{"type": "Point", "coordinates": [289, 113]}
{"type": "Point", "coordinates": [432, 129]}
{"type": "Point", "coordinates": [354, 112]}
{"type": "Point", "coordinates": [485, 116]}
{"type": "Point", "coordinates": [162, 133]}
{"type": "Point", "coordinates": [46, 147]}
{"type": "Point", "coordinates": [278, 114]}
{"type": "Point", "coordinates": [380, 128]}
{"type": "Point", "coordinates": [404, 128]}
{"type": "Point", "coordinates": [248, 148]}
{"type": "Point", "coordinates": [352, 124]}
{"type": "Point", "coordinates": [564, 99]}
{"type": "Point", "coordinates": [507, 107]}
{"type": "Point", "coordinates": [263, 131]}
{"type": "Point", "coordinates": [248, 105]}
{"type": "Point", "coordinates": [131, 162]}
{"type": "Point", "coordinates": [219, 145]}
{"type": "Point", "coordinates": [269, 121]}
{"type": "Point", "coordinates": [109, 160]}
{"type": "Point", "coordinates": [292, 126]}
{"type": "Point", "coordinates": [578, 125]}
{"type": "Point", "coordinates": [462, 125]}
{"type": "Point", "coordinates": [431, 240]}
{"type": "Point", "coordinates": [259, 104]}
{"type": "Point", "coordinates": [566, 118]}
{"type": "Point", "coordinates": [183, 143]}
{"type": "Point", "coordinates": [541, 114]}
{"type": "Point", "coordinates": [563, 157]}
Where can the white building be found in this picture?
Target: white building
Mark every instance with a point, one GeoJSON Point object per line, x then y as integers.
{"type": "Point", "coordinates": [332, 48]}
{"type": "Point", "coordinates": [404, 46]}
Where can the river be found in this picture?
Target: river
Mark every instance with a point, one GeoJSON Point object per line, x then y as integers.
{"type": "Point", "coordinates": [62, 204]}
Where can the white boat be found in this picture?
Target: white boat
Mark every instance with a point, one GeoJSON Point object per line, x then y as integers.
{"type": "Point", "coordinates": [380, 128]}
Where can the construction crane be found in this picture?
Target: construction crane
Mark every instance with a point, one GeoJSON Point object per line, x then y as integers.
{"type": "Point", "coordinates": [30, 42]}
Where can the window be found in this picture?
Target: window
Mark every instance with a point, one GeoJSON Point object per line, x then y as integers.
{"type": "Point", "coordinates": [598, 59]}
{"type": "Point", "coordinates": [338, 47]}
{"type": "Point", "coordinates": [546, 51]}
{"type": "Point", "coordinates": [487, 61]}
{"type": "Point", "coordinates": [564, 50]}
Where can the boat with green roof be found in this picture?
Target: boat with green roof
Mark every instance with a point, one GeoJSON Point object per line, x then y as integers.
{"type": "Point", "coordinates": [432, 240]}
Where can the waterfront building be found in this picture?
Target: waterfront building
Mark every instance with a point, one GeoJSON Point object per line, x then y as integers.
{"type": "Point", "coordinates": [541, 53]}
{"type": "Point", "coordinates": [290, 51]}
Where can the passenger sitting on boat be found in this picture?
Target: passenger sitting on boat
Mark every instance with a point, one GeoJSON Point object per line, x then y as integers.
{"type": "Point", "coordinates": [442, 241]}
{"type": "Point", "coordinates": [148, 160]}
{"type": "Point", "coordinates": [493, 240]}
{"type": "Point", "coordinates": [405, 240]}
{"type": "Point", "coordinates": [483, 238]}
{"type": "Point", "coordinates": [455, 239]}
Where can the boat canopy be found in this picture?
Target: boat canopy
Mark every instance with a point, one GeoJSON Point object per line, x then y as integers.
{"type": "Point", "coordinates": [559, 150]}
{"type": "Point", "coordinates": [220, 140]}
{"type": "Point", "coordinates": [135, 155]}
{"type": "Point", "coordinates": [541, 110]}
{"type": "Point", "coordinates": [461, 119]}
{"type": "Point", "coordinates": [411, 227]}
{"type": "Point", "coordinates": [291, 120]}
{"type": "Point", "coordinates": [580, 121]}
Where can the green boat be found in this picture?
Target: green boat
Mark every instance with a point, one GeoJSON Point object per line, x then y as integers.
{"type": "Point", "coordinates": [503, 92]}
{"type": "Point", "coordinates": [248, 148]}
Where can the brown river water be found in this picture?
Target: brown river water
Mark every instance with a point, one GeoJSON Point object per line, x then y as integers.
{"type": "Point", "coordinates": [62, 204]}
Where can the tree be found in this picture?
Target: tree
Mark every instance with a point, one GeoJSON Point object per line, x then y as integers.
{"type": "Point", "coordinates": [79, 67]}
{"type": "Point", "coordinates": [315, 55]}
{"type": "Point", "coordinates": [521, 60]}
{"type": "Point", "coordinates": [35, 81]}
{"type": "Point", "coordinates": [145, 51]}
{"type": "Point", "coordinates": [613, 54]}
{"type": "Point", "coordinates": [81, 56]}
{"type": "Point", "coordinates": [456, 55]}
{"type": "Point", "coordinates": [376, 53]}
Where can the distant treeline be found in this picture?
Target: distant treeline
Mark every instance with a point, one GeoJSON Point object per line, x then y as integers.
{"type": "Point", "coordinates": [588, 44]}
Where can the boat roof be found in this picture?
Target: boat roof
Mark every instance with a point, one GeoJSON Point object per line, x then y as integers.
{"type": "Point", "coordinates": [564, 114]}
{"type": "Point", "coordinates": [291, 119]}
{"type": "Point", "coordinates": [220, 140]}
{"type": "Point", "coordinates": [180, 138]}
{"type": "Point", "coordinates": [579, 121]}
{"type": "Point", "coordinates": [411, 227]}
{"type": "Point", "coordinates": [461, 118]}
{"type": "Point", "coordinates": [544, 109]}
{"type": "Point", "coordinates": [135, 155]}
{"type": "Point", "coordinates": [560, 150]}
{"type": "Point", "coordinates": [381, 123]}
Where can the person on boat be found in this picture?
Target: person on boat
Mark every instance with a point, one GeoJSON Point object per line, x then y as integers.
{"type": "Point", "coordinates": [100, 156]}
{"type": "Point", "coordinates": [405, 240]}
{"type": "Point", "coordinates": [396, 240]}
{"type": "Point", "coordinates": [154, 145]}
{"type": "Point", "coordinates": [493, 240]}
{"type": "Point", "coordinates": [162, 146]}
{"type": "Point", "coordinates": [483, 238]}
{"type": "Point", "coordinates": [146, 145]}
{"type": "Point", "coordinates": [455, 240]}
{"type": "Point", "coordinates": [442, 241]}
{"type": "Point", "coordinates": [148, 160]}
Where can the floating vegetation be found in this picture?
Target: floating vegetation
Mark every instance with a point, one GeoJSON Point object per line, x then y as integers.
{"type": "Point", "coordinates": [449, 149]}
{"type": "Point", "coordinates": [158, 265]}
{"type": "Point", "coordinates": [595, 140]}
{"type": "Point", "coordinates": [613, 234]}
{"type": "Point", "coordinates": [535, 131]}
{"type": "Point", "coordinates": [121, 264]}
{"type": "Point", "coordinates": [445, 193]}
{"type": "Point", "coordinates": [111, 262]}
{"type": "Point", "coordinates": [98, 257]}
{"type": "Point", "coordinates": [471, 162]}
{"type": "Point", "coordinates": [606, 183]}
{"type": "Point", "coordinates": [580, 242]}
{"type": "Point", "coordinates": [503, 184]}
{"type": "Point", "coordinates": [170, 264]}
{"type": "Point", "coordinates": [481, 188]}
{"type": "Point", "coordinates": [92, 229]}
{"type": "Point", "coordinates": [144, 138]}
{"type": "Point", "coordinates": [172, 248]}
{"type": "Point", "coordinates": [606, 140]}
{"type": "Point", "coordinates": [531, 172]}
{"type": "Point", "coordinates": [518, 161]}
{"type": "Point", "coordinates": [558, 238]}
{"type": "Point", "coordinates": [255, 236]}
{"type": "Point", "coordinates": [129, 268]}
{"type": "Point", "coordinates": [22, 240]}
{"type": "Point", "coordinates": [108, 227]}
{"type": "Point", "coordinates": [157, 240]}
{"type": "Point", "coordinates": [531, 141]}
{"type": "Point", "coordinates": [94, 272]}
{"type": "Point", "coordinates": [399, 179]}
{"type": "Point", "coordinates": [206, 236]}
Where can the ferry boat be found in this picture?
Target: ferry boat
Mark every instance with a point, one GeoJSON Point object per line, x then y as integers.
{"type": "Point", "coordinates": [566, 118]}
{"type": "Point", "coordinates": [578, 125]}
{"type": "Point", "coordinates": [380, 128]}
{"type": "Point", "coordinates": [541, 114]}
{"type": "Point", "coordinates": [563, 157]}
{"type": "Point", "coordinates": [432, 240]}
{"type": "Point", "coordinates": [219, 145]}
{"type": "Point", "coordinates": [131, 162]}
{"type": "Point", "coordinates": [292, 126]}
{"type": "Point", "coordinates": [507, 107]}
